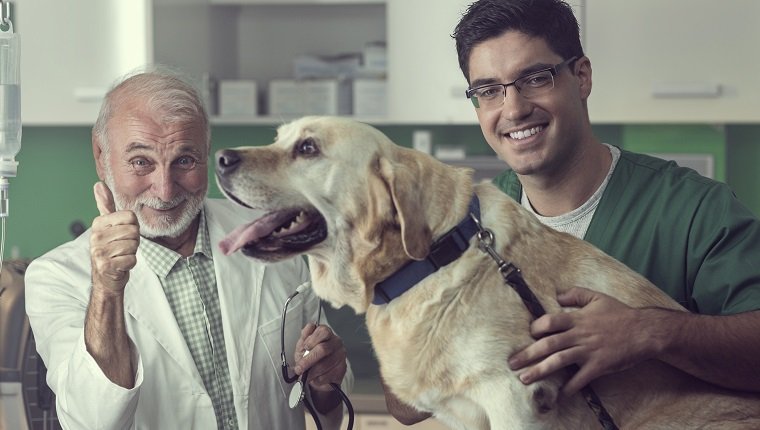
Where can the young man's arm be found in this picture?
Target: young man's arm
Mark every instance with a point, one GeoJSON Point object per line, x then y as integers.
{"type": "Point", "coordinates": [605, 336]}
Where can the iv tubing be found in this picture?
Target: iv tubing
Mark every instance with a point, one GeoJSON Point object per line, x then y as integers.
{"type": "Point", "coordinates": [3, 215]}
{"type": "Point", "coordinates": [2, 242]}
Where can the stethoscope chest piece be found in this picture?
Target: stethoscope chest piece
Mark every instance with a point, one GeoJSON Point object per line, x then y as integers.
{"type": "Point", "coordinates": [297, 394]}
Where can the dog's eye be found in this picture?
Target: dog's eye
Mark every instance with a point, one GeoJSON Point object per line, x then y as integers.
{"type": "Point", "coordinates": [307, 147]}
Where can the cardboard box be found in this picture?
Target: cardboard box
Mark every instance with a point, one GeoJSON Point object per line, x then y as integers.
{"type": "Point", "coordinates": [322, 67]}
{"type": "Point", "coordinates": [375, 57]}
{"type": "Point", "coordinates": [309, 97]}
{"type": "Point", "coordinates": [237, 98]}
{"type": "Point", "coordinates": [370, 97]}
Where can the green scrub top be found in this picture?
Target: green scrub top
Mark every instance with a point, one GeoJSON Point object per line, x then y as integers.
{"type": "Point", "coordinates": [687, 234]}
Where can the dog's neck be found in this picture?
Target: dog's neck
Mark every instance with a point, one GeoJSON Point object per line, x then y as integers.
{"type": "Point", "coordinates": [444, 250]}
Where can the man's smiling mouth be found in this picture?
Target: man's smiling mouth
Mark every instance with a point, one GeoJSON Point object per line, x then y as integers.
{"type": "Point", "coordinates": [528, 132]}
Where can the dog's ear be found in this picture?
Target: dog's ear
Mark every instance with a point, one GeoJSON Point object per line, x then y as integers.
{"type": "Point", "coordinates": [402, 179]}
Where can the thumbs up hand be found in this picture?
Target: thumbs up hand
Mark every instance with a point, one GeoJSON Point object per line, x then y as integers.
{"type": "Point", "coordinates": [104, 199]}
{"type": "Point", "coordinates": [113, 243]}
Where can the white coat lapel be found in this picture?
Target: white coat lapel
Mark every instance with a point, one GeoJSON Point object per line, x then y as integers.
{"type": "Point", "coordinates": [238, 281]}
{"type": "Point", "coordinates": [146, 302]}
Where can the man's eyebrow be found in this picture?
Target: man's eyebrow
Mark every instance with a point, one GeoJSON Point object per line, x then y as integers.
{"type": "Point", "coordinates": [480, 82]}
{"type": "Point", "coordinates": [136, 146]}
{"type": "Point", "coordinates": [185, 148]}
{"type": "Point", "coordinates": [533, 68]}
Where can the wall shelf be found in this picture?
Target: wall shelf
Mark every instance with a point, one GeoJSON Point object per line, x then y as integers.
{"type": "Point", "coordinates": [296, 2]}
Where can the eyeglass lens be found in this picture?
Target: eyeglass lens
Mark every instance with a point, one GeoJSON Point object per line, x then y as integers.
{"type": "Point", "coordinates": [529, 86]}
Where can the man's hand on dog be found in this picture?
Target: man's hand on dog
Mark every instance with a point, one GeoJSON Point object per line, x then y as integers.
{"type": "Point", "coordinates": [602, 336]}
{"type": "Point", "coordinates": [113, 243]}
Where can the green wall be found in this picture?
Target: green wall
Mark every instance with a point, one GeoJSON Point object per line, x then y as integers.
{"type": "Point", "coordinates": [743, 161]}
{"type": "Point", "coordinates": [53, 188]}
{"type": "Point", "coordinates": [56, 171]}
{"type": "Point", "coordinates": [698, 139]}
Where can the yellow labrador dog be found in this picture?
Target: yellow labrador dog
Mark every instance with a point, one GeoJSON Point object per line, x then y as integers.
{"type": "Point", "coordinates": [361, 208]}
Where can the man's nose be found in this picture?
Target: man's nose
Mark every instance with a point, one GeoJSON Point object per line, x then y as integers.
{"type": "Point", "coordinates": [515, 106]}
{"type": "Point", "coordinates": [164, 185]}
{"type": "Point", "coordinates": [227, 161]}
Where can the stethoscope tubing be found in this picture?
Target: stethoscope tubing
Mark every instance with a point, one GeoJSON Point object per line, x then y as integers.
{"type": "Point", "coordinates": [302, 380]}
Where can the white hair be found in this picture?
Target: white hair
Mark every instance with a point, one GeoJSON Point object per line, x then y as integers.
{"type": "Point", "coordinates": [165, 91]}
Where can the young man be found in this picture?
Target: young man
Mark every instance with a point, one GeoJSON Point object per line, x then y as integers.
{"type": "Point", "coordinates": [141, 321]}
{"type": "Point", "coordinates": [530, 83]}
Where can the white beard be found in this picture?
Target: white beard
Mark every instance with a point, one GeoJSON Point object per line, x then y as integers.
{"type": "Point", "coordinates": [162, 226]}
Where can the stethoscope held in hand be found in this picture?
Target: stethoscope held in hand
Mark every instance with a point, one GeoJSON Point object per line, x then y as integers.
{"type": "Point", "coordinates": [298, 392]}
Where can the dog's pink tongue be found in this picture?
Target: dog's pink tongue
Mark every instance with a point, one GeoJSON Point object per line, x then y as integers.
{"type": "Point", "coordinates": [248, 233]}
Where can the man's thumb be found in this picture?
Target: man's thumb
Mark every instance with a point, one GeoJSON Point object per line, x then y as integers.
{"type": "Point", "coordinates": [103, 198]}
{"type": "Point", "coordinates": [576, 296]}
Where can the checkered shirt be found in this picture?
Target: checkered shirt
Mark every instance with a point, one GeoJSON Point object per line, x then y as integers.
{"type": "Point", "coordinates": [190, 287]}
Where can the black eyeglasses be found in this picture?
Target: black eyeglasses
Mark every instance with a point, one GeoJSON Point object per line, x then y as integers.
{"type": "Point", "coordinates": [491, 96]}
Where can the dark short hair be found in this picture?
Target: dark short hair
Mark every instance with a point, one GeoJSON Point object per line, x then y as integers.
{"type": "Point", "coordinates": [551, 20]}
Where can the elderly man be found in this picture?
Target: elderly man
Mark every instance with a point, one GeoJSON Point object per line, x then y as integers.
{"type": "Point", "coordinates": [141, 321]}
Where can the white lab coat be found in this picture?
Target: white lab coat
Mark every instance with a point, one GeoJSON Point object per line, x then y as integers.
{"type": "Point", "coordinates": [169, 392]}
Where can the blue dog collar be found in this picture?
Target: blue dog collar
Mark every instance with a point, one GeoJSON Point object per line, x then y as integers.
{"type": "Point", "coordinates": [445, 250]}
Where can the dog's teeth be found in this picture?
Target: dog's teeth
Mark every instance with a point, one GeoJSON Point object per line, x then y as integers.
{"type": "Point", "coordinates": [282, 231]}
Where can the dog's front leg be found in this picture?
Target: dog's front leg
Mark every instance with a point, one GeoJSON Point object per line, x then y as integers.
{"type": "Point", "coordinates": [509, 404]}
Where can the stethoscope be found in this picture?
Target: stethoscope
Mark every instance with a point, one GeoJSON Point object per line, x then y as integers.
{"type": "Point", "coordinates": [298, 392]}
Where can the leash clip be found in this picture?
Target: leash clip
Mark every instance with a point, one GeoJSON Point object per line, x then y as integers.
{"type": "Point", "coordinates": [485, 244]}
{"type": "Point", "coordinates": [485, 236]}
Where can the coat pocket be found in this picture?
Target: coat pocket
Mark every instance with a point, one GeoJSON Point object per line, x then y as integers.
{"type": "Point", "coordinates": [270, 335]}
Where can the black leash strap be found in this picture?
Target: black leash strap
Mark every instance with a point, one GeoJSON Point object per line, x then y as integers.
{"type": "Point", "coordinates": [513, 277]}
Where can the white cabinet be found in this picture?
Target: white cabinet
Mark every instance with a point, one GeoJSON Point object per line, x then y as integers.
{"type": "Point", "coordinates": [653, 61]}
{"type": "Point", "coordinates": [387, 422]}
{"type": "Point", "coordinates": [71, 52]}
{"type": "Point", "coordinates": [425, 84]}
{"type": "Point", "coordinates": [677, 61]}
{"type": "Point", "coordinates": [259, 39]}
{"type": "Point", "coordinates": [297, 2]}
{"type": "Point", "coordinates": [381, 422]}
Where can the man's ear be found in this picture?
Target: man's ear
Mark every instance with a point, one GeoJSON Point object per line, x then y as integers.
{"type": "Point", "coordinates": [582, 68]}
{"type": "Point", "coordinates": [97, 152]}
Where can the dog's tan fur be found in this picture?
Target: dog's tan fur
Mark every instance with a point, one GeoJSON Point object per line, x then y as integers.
{"type": "Point", "coordinates": [442, 346]}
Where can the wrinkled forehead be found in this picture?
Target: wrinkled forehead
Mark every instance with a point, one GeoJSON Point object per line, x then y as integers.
{"type": "Point", "coordinates": [133, 121]}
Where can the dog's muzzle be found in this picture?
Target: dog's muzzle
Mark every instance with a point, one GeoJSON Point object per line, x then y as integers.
{"type": "Point", "coordinates": [227, 161]}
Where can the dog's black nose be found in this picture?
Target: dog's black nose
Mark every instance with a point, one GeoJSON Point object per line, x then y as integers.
{"type": "Point", "coordinates": [227, 160]}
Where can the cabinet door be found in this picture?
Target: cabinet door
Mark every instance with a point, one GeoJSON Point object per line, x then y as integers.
{"type": "Point", "coordinates": [425, 84]}
{"type": "Point", "coordinates": [72, 52]}
{"type": "Point", "coordinates": [387, 422]}
{"type": "Point", "coordinates": [673, 61]}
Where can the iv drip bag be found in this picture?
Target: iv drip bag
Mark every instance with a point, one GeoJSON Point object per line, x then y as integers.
{"type": "Point", "coordinates": [10, 94]}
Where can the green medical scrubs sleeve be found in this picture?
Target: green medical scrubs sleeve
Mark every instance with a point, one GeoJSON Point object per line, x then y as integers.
{"type": "Point", "coordinates": [507, 181]}
{"type": "Point", "coordinates": [687, 234]}
{"type": "Point", "coordinates": [724, 243]}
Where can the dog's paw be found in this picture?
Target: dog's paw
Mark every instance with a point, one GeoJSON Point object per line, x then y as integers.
{"type": "Point", "coordinates": [544, 397]}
